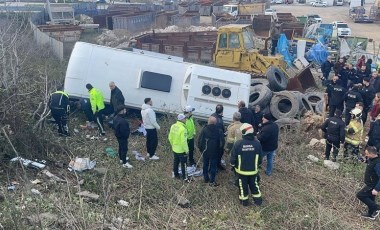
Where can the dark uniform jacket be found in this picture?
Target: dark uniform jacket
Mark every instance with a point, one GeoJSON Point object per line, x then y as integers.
{"type": "Point", "coordinates": [117, 98]}
{"type": "Point", "coordinates": [268, 136]}
{"type": "Point", "coordinates": [59, 100]}
{"type": "Point", "coordinates": [245, 156]}
{"type": "Point", "coordinates": [372, 173]}
{"type": "Point", "coordinates": [368, 94]}
{"type": "Point", "coordinates": [258, 119]}
{"type": "Point", "coordinates": [247, 116]}
{"type": "Point", "coordinates": [336, 94]}
{"type": "Point", "coordinates": [121, 127]}
{"type": "Point", "coordinates": [210, 141]}
{"type": "Point", "coordinates": [376, 84]}
{"type": "Point", "coordinates": [334, 128]}
{"type": "Point", "coordinates": [338, 67]}
{"type": "Point", "coordinates": [219, 121]}
{"type": "Point", "coordinates": [374, 134]}
{"type": "Point", "coordinates": [352, 76]}
{"type": "Point", "coordinates": [352, 97]}
{"type": "Point", "coordinates": [326, 67]}
{"type": "Point", "coordinates": [360, 76]}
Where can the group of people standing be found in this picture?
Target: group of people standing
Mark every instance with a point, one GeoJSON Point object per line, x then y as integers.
{"type": "Point", "coordinates": [250, 137]}
{"type": "Point", "coordinates": [357, 93]}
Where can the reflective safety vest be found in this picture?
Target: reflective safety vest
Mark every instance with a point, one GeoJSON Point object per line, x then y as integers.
{"type": "Point", "coordinates": [178, 138]}
{"type": "Point", "coordinates": [96, 100]}
{"type": "Point", "coordinates": [190, 126]}
{"type": "Point", "coordinates": [356, 137]}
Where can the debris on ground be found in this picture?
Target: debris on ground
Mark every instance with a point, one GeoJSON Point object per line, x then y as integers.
{"type": "Point", "coordinates": [313, 142]}
{"type": "Point", "coordinates": [191, 172]}
{"type": "Point", "coordinates": [123, 203]}
{"type": "Point", "coordinates": [331, 165]}
{"type": "Point", "coordinates": [88, 194]}
{"type": "Point", "coordinates": [30, 163]}
{"type": "Point", "coordinates": [311, 121]}
{"type": "Point", "coordinates": [52, 176]}
{"type": "Point", "coordinates": [81, 164]}
{"type": "Point", "coordinates": [138, 156]}
{"type": "Point", "coordinates": [35, 192]}
{"type": "Point", "coordinates": [313, 158]}
{"type": "Point", "coordinates": [36, 181]}
{"type": "Point", "coordinates": [110, 152]}
{"type": "Point", "coordinates": [183, 202]}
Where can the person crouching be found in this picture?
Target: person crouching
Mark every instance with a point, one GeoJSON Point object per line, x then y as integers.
{"type": "Point", "coordinates": [244, 153]}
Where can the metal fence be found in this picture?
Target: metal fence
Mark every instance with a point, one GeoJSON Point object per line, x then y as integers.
{"type": "Point", "coordinates": [43, 39]}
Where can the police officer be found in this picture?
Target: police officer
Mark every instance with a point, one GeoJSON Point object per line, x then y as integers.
{"type": "Point", "coordinates": [374, 133]}
{"type": "Point", "coordinates": [333, 127]}
{"type": "Point", "coordinates": [352, 97]}
{"type": "Point", "coordinates": [178, 141]}
{"type": "Point", "coordinates": [335, 94]}
{"type": "Point", "coordinates": [245, 160]}
{"type": "Point", "coordinates": [354, 133]}
{"type": "Point", "coordinates": [220, 124]}
{"type": "Point", "coordinates": [60, 108]}
{"type": "Point", "coordinates": [368, 94]}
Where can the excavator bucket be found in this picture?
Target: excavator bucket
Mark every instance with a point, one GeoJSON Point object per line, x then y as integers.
{"type": "Point", "coordinates": [302, 81]}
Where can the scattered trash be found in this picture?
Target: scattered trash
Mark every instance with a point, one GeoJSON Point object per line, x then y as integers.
{"type": "Point", "coordinates": [183, 202]}
{"type": "Point", "coordinates": [81, 164]}
{"type": "Point", "coordinates": [29, 163]}
{"type": "Point", "coordinates": [313, 158]}
{"type": "Point", "coordinates": [138, 156]}
{"type": "Point", "coordinates": [110, 152]}
{"type": "Point", "coordinates": [123, 203]}
{"type": "Point", "coordinates": [36, 192]}
{"type": "Point", "coordinates": [331, 165]}
{"type": "Point", "coordinates": [11, 187]}
{"type": "Point", "coordinates": [105, 139]}
{"type": "Point", "coordinates": [81, 182]}
{"type": "Point", "coordinates": [76, 131]}
{"type": "Point", "coordinates": [94, 138]}
{"type": "Point", "coordinates": [223, 162]}
{"type": "Point", "coordinates": [52, 176]}
{"type": "Point", "coordinates": [88, 136]}
{"type": "Point", "coordinates": [36, 181]}
{"type": "Point", "coordinates": [191, 171]}
{"type": "Point", "coordinates": [88, 195]}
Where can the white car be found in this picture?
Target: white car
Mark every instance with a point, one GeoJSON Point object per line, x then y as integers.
{"type": "Point", "coordinates": [314, 17]}
{"type": "Point", "coordinates": [341, 28]}
{"type": "Point", "coordinates": [270, 12]}
{"type": "Point", "coordinates": [319, 3]}
{"type": "Point", "coordinates": [279, 1]}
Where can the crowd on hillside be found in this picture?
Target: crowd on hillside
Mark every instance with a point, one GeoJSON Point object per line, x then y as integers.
{"type": "Point", "coordinates": [252, 135]}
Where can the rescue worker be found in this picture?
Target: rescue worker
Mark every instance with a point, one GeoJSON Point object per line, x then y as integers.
{"type": "Point", "coordinates": [60, 108]}
{"type": "Point", "coordinates": [352, 97]}
{"type": "Point", "coordinates": [233, 132]}
{"type": "Point", "coordinates": [335, 94]}
{"type": "Point", "coordinates": [368, 193]}
{"type": "Point", "coordinates": [374, 133]}
{"type": "Point", "coordinates": [97, 107]}
{"type": "Point", "coordinates": [151, 126]}
{"type": "Point", "coordinates": [191, 131]}
{"type": "Point", "coordinates": [220, 124]}
{"type": "Point", "coordinates": [334, 129]}
{"type": "Point", "coordinates": [268, 137]}
{"type": "Point", "coordinates": [117, 97]}
{"type": "Point", "coordinates": [368, 94]}
{"type": "Point", "coordinates": [121, 128]}
{"type": "Point", "coordinates": [245, 161]}
{"type": "Point", "coordinates": [246, 114]}
{"type": "Point", "coordinates": [178, 141]}
{"type": "Point", "coordinates": [354, 133]}
{"type": "Point", "coordinates": [326, 69]}
{"type": "Point", "coordinates": [210, 141]}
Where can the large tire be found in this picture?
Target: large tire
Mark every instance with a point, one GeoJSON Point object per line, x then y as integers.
{"type": "Point", "coordinates": [260, 95]}
{"type": "Point", "coordinates": [284, 104]}
{"type": "Point", "coordinates": [277, 79]}
{"type": "Point", "coordinates": [304, 103]}
{"type": "Point", "coordinates": [314, 97]}
{"type": "Point", "coordinates": [319, 107]}
{"type": "Point", "coordinates": [259, 81]}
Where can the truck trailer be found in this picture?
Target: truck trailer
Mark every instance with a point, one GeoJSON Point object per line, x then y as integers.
{"type": "Point", "coordinates": [169, 81]}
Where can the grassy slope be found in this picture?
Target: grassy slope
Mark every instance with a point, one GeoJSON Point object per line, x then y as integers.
{"type": "Point", "coordinates": [299, 195]}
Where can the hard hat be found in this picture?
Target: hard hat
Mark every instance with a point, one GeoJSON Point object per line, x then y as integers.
{"type": "Point", "coordinates": [356, 112]}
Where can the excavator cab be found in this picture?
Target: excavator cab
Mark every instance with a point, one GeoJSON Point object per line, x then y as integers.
{"type": "Point", "coordinates": [235, 49]}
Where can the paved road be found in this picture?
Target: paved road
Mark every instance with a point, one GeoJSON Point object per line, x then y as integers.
{"type": "Point", "coordinates": [336, 13]}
